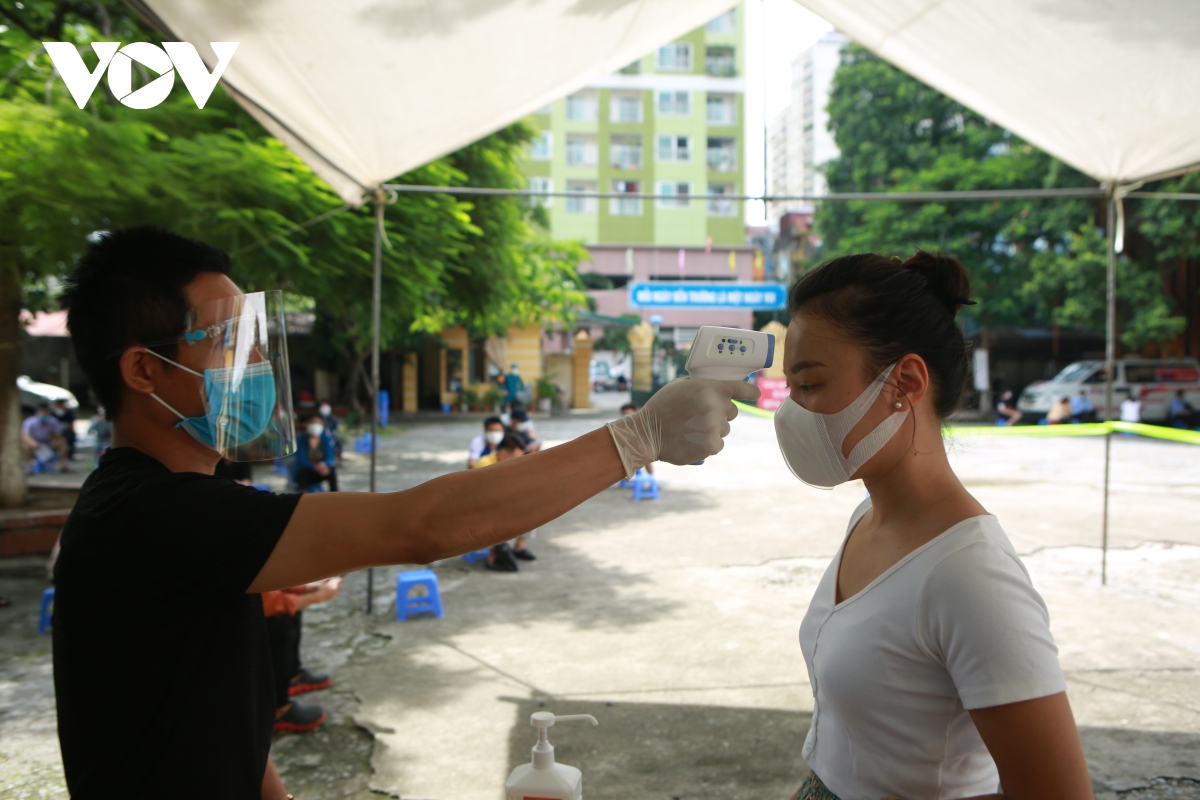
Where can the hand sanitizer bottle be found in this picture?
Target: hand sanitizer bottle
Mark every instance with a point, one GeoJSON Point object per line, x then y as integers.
{"type": "Point", "coordinates": [542, 779]}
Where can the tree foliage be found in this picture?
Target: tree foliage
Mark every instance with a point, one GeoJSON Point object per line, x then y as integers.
{"type": "Point", "coordinates": [215, 174]}
{"type": "Point", "coordinates": [1032, 262]}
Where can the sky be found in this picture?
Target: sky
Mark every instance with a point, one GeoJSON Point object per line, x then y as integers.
{"type": "Point", "coordinates": [791, 29]}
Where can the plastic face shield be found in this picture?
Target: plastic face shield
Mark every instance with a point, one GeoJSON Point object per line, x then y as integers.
{"type": "Point", "coordinates": [239, 345]}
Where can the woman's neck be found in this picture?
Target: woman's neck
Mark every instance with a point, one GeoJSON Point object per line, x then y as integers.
{"type": "Point", "coordinates": [919, 484]}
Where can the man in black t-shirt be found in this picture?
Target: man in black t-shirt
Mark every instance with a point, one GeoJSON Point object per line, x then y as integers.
{"type": "Point", "coordinates": [162, 564]}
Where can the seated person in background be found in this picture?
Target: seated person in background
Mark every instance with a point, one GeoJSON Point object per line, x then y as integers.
{"type": "Point", "coordinates": [284, 621]}
{"type": "Point", "coordinates": [1181, 414]}
{"type": "Point", "coordinates": [66, 418]}
{"type": "Point", "coordinates": [502, 557]}
{"type": "Point", "coordinates": [485, 443]}
{"type": "Point", "coordinates": [1082, 409]}
{"type": "Point", "coordinates": [331, 423]}
{"type": "Point", "coordinates": [626, 410]}
{"type": "Point", "coordinates": [315, 461]}
{"type": "Point", "coordinates": [1060, 411]}
{"type": "Point", "coordinates": [101, 428]}
{"type": "Point", "coordinates": [43, 430]}
{"type": "Point", "coordinates": [1131, 408]}
{"type": "Point", "coordinates": [522, 428]}
{"type": "Point", "coordinates": [1006, 408]}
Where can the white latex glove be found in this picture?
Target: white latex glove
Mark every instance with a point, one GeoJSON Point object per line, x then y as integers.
{"type": "Point", "coordinates": [684, 422]}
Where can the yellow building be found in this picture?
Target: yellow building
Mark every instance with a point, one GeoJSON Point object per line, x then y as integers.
{"type": "Point", "coordinates": [435, 378]}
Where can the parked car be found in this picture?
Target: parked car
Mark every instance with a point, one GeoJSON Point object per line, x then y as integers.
{"type": "Point", "coordinates": [1156, 380]}
{"type": "Point", "coordinates": [605, 378]}
{"type": "Point", "coordinates": [33, 393]}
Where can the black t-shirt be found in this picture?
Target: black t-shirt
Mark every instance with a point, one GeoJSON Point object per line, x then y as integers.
{"type": "Point", "coordinates": [162, 669]}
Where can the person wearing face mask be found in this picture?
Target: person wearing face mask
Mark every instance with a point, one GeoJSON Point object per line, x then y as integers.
{"type": "Point", "coordinates": [315, 462]}
{"type": "Point", "coordinates": [192, 369]}
{"type": "Point", "coordinates": [485, 443]}
{"type": "Point", "coordinates": [332, 425]}
{"type": "Point", "coordinates": [928, 649]}
{"type": "Point", "coordinates": [43, 430]}
{"type": "Point", "coordinates": [514, 386]}
{"type": "Point", "coordinates": [522, 428]}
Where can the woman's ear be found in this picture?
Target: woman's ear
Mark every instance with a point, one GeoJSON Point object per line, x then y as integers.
{"type": "Point", "coordinates": [908, 384]}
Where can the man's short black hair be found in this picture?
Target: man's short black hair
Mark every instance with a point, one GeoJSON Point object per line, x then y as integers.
{"type": "Point", "coordinates": [129, 288]}
{"type": "Point", "coordinates": [628, 407]}
{"type": "Point", "coordinates": [510, 443]}
{"type": "Point", "coordinates": [43, 406]}
{"type": "Point", "coordinates": [519, 414]}
{"type": "Point", "coordinates": [492, 421]}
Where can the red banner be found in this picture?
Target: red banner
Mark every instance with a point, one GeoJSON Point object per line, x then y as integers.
{"type": "Point", "coordinates": [774, 392]}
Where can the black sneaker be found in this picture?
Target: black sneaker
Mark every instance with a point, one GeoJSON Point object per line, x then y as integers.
{"type": "Point", "coordinates": [299, 719]}
{"type": "Point", "coordinates": [502, 559]}
{"type": "Point", "coordinates": [307, 682]}
{"type": "Point", "coordinates": [524, 555]}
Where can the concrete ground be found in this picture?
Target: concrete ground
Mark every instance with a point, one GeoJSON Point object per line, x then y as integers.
{"type": "Point", "coordinates": [675, 622]}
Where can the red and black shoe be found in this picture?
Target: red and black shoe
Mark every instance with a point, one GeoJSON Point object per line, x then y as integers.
{"type": "Point", "coordinates": [307, 682]}
{"type": "Point", "coordinates": [299, 719]}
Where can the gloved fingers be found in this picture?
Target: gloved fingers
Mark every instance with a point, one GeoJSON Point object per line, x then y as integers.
{"type": "Point", "coordinates": [746, 392]}
{"type": "Point", "coordinates": [731, 411]}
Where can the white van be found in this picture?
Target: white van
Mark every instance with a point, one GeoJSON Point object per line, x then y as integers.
{"type": "Point", "coordinates": [1159, 378]}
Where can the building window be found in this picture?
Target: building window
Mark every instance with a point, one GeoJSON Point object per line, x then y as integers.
{"type": "Point", "coordinates": [676, 194]}
{"type": "Point", "coordinates": [675, 104]}
{"type": "Point", "coordinates": [625, 206]}
{"type": "Point", "coordinates": [479, 368]}
{"type": "Point", "coordinates": [674, 148]}
{"type": "Point", "coordinates": [625, 107]}
{"type": "Point", "coordinates": [720, 62]}
{"type": "Point", "coordinates": [581, 107]}
{"type": "Point", "coordinates": [581, 205]}
{"type": "Point", "coordinates": [581, 151]}
{"type": "Point", "coordinates": [454, 370]}
{"type": "Point", "coordinates": [541, 186]}
{"type": "Point", "coordinates": [625, 151]}
{"type": "Point", "coordinates": [539, 148]}
{"type": "Point", "coordinates": [721, 109]}
{"type": "Point", "coordinates": [722, 206]}
{"type": "Point", "coordinates": [722, 155]}
{"type": "Point", "coordinates": [676, 57]}
{"type": "Point", "coordinates": [726, 23]}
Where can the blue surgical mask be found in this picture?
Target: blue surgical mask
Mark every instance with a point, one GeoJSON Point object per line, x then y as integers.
{"type": "Point", "coordinates": [235, 416]}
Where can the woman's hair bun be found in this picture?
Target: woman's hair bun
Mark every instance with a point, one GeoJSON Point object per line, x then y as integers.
{"type": "Point", "coordinates": [945, 276]}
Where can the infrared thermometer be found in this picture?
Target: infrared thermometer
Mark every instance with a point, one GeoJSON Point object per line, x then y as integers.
{"type": "Point", "coordinates": [729, 354]}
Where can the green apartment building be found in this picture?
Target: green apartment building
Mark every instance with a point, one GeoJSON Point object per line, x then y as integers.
{"type": "Point", "coordinates": [671, 124]}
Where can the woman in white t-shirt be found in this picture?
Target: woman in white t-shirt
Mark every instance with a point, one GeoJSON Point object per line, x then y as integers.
{"type": "Point", "coordinates": [928, 650]}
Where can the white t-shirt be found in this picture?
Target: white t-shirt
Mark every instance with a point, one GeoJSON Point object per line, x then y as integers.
{"type": "Point", "coordinates": [477, 446]}
{"type": "Point", "coordinates": [954, 625]}
{"type": "Point", "coordinates": [1131, 410]}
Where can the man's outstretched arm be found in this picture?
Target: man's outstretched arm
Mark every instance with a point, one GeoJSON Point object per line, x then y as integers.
{"type": "Point", "coordinates": [334, 533]}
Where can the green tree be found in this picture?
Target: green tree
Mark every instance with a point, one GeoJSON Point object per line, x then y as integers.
{"type": "Point", "coordinates": [1032, 262]}
{"type": "Point", "coordinates": [215, 174]}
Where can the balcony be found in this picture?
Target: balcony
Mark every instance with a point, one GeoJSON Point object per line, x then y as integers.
{"type": "Point", "coordinates": [722, 161]}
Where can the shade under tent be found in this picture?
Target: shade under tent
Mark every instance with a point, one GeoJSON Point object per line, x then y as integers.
{"type": "Point", "coordinates": [365, 90]}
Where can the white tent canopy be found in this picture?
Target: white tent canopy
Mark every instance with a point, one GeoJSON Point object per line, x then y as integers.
{"type": "Point", "coordinates": [1111, 88]}
{"type": "Point", "coordinates": [364, 90]}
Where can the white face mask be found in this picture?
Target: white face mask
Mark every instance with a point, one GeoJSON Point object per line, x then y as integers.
{"type": "Point", "coordinates": [494, 437]}
{"type": "Point", "coordinates": [316, 429]}
{"type": "Point", "coordinates": [325, 411]}
{"type": "Point", "coordinates": [811, 443]}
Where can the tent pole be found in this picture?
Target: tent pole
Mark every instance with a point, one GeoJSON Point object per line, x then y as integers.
{"type": "Point", "coordinates": [1110, 353]}
{"type": "Point", "coordinates": [376, 298]}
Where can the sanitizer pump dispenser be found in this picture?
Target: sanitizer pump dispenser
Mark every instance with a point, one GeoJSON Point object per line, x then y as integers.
{"type": "Point", "coordinates": [542, 779]}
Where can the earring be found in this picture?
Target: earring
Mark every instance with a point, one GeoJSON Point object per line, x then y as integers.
{"type": "Point", "coordinates": [898, 405]}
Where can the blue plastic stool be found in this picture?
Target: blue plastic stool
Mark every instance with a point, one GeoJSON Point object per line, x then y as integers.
{"type": "Point", "coordinates": [624, 484]}
{"type": "Point", "coordinates": [281, 466]}
{"type": "Point", "coordinates": [41, 464]}
{"type": "Point", "coordinates": [645, 487]}
{"type": "Point", "coordinates": [47, 602]}
{"type": "Point", "coordinates": [417, 593]}
{"type": "Point", "coordinates": [363, 444]}
{"type": "Point", "coordinates": [1000, 423]}
{"type": "Point", "coordinates": [478, 555]}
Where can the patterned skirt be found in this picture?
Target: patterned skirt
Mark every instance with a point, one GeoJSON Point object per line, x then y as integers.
{"type": "Point", "coordinates": [814, 789]}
